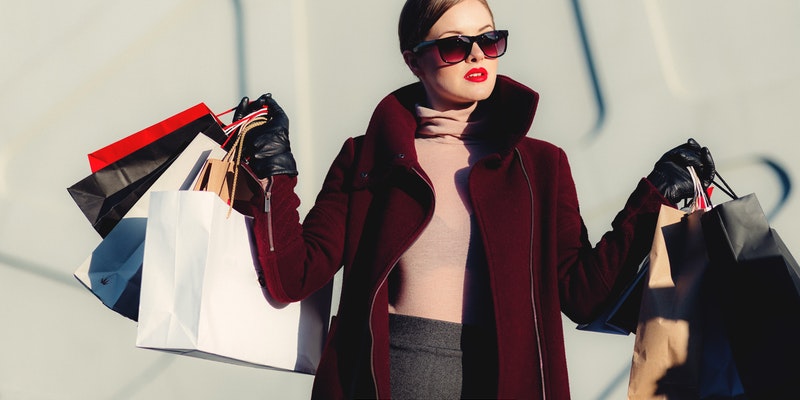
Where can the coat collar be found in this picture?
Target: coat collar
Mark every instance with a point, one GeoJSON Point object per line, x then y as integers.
{"type": "Point", "coordinates": [390, 134]}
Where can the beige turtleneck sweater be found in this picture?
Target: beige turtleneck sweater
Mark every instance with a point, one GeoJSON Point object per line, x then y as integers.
{"type": "Point", "coordinates": [443, 274]}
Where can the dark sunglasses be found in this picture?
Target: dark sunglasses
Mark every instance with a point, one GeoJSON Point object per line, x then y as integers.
{"type": "Point", "coordinates": [455, 49]}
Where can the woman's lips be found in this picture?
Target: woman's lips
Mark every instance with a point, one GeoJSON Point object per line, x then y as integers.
{"type": "Point", "coordinates": [476, 75]}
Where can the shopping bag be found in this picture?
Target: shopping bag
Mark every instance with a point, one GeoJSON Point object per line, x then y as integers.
{"type": "Point", "coordinates": [758, 283]}
{"type": "Point", "coordinates": [201, 294]}
{"type": "Point", "coordinates": [227, 177]}
{"type": "Point", "coordinates": [106, 195]}
{"type": "Point", "coordinates": [113, 152]}
{"type": "Point", "coordinates": [113, 271]}
{"type": "Point", "coordinates": [665, 361]}
{"type": "Point", "coordinates": [719, 377]}
{"type": "Point", "coordinates": [680, 350]}
{"type": "Point", "coordinates": [622, 316]}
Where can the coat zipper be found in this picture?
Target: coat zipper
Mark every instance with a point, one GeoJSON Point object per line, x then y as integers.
{"type": "Point", "coordinates": [530, 268]}
{"type": "Point", "coordinates": [268, 211]}
{"type": "Point", "coordinates": [383, 282]}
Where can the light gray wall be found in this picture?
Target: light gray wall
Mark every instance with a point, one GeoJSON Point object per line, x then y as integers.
{"type": "Point", "coordinates": [78, 75]}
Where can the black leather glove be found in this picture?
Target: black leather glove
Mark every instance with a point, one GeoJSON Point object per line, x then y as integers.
{"type": "Point", "coordinates": [672, 178]}
{"type": "Point", "coordinates": [266, 147]}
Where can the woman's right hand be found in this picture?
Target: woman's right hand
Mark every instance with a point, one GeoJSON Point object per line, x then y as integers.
{"type": "Point", "coordinates": [266, 147]}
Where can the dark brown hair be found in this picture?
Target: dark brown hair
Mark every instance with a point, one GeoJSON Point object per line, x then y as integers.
{"type": "Point", "coordinates": [419, 16]}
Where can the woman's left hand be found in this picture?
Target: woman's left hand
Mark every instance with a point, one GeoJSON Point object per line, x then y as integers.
{"type": "Point", "coordinates": [671, 177]}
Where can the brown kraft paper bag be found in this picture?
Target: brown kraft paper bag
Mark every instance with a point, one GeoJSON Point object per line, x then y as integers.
{"type": "Point", "coordinates": [667, 353]}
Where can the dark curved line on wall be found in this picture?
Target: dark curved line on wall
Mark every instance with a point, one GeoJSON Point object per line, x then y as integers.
{"type": "Point", "coordinates": [785, 180]}
{"type": "Point", "coordinates": [590, 65]}
{"type": "Point", "coordinates": [241, 53]}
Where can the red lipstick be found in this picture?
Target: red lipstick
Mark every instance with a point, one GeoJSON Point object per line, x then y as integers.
{"type": "Point", "coordinates": [477, 75]}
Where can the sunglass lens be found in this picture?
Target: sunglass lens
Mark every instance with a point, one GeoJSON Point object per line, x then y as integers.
{"type": "Point", "coordinates": [454, 50]}
{"type": "Point", "coordinates": [493, 44]}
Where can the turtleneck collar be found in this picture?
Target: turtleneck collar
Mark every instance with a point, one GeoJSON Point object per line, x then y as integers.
{"type": "Point", "coordinates": [460, 124]}
{"type": "Point", "coordinates": [389, 137]}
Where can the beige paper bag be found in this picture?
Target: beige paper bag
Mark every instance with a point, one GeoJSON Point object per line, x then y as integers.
{"type": "Point", "coordinates": [667, 354]}
{"type": "Point", "coordinates": [227, 177]}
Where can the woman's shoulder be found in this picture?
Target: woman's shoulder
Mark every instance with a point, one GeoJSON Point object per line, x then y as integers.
{"type": "Point", "coordinates": [538, 146]}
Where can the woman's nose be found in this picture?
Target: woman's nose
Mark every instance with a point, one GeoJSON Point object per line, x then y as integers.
{"type": "Point", "coordinates": [476, 54]}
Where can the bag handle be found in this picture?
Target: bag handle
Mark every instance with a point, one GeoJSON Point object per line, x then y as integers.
{"type": "Point", "coordinates": [236, 126]}
{"type": "Point", "coordinates": [258, 118]}
{"type": "Point", "coordinates": [700, 200]}
{"type": "Point", "coordinates": [725, 188]}
{"type": "Point", "coordinates": [698, 188]}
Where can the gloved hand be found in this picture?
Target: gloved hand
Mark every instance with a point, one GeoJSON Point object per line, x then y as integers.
{"type": "Point", "coordinates": [672, 178]}
{"type": "Point", "coordinates": [266, 147]}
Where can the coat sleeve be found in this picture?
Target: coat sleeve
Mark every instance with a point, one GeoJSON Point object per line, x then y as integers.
{"type": "Point", "coordinates": [297, 259]}
{"type": "Point", "coordinates": [589, 276]}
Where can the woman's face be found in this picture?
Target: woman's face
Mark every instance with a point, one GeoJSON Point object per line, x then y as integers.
{"type": "Point", "coordinates": [461, 85]}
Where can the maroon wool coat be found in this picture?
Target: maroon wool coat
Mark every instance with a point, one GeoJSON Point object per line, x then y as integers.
{"type": "Point", "coordinates": [376, 200]}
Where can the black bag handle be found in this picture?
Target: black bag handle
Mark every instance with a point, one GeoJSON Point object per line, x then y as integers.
{"type": "Point", "coordinates": [725, 188]}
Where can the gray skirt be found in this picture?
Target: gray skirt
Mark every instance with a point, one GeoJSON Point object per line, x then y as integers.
{"type": "Point", "coordinates": [432, 359]}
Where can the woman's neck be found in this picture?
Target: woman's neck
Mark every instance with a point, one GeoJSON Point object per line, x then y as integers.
{"type": "Point", "coordinates": [466, 108]}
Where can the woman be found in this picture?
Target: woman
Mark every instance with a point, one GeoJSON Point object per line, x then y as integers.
{"type": "Point", "coordinates": [460, 237]}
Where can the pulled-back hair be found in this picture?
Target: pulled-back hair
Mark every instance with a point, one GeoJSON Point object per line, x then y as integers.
{"type": "Point", "coordinates": [419, 16]}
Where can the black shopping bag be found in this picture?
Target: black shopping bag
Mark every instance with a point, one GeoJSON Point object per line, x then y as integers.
{"type": "Point", "coordinates": [621, 316]}
{"type": "Point", "coordinates": [757, 281]}
{"type": "Point", "coordinates": [106, 195]}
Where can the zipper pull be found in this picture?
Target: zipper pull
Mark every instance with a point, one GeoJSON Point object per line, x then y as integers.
{"type": "Point", "coordinates": [267, 210]}
{"type": "Point", "coordinates": [267, 195]}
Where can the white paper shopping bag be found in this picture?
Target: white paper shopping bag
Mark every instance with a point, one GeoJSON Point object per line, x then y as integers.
{"type": "Point", "coordinates": [201, 296]}
{"type": "Point", "coordinates": [112, 271]}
